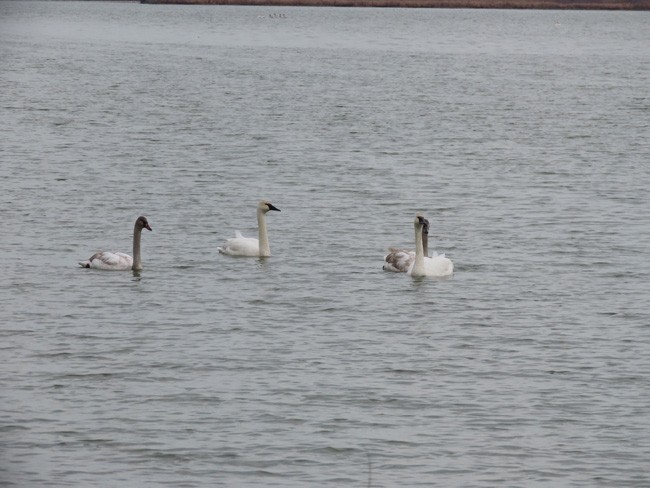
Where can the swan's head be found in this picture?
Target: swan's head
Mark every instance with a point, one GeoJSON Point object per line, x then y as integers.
{"type": "Point", "coordinates": [264, 206]}
{"type": "Point", "coordinates": [142, 222]}
{"type": "Point", "coordinates": [421, 223]}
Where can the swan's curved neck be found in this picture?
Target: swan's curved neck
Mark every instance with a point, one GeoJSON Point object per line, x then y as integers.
{"type": "Point", "coordinates": [265, 249]}
{"type": "Point", "coordinates": [137, 257]}
{"type": "Point", "coordinates": [418, 266]}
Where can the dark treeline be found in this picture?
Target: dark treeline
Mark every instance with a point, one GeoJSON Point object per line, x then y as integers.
{"type": "Point", "coordinates": [510, 4]}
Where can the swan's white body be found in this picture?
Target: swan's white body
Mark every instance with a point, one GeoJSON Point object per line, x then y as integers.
{"type": "Point", "coordinates": [242, 246]}
{"type": "Point", "coordinates": [119, 261]}
{"type": "Point", "coordinates": [400, 260]}
{"type": "Point", "coordinates": [438, 265]}
{"type": "Point", "coordinates": [109, 261]}
{"type": "Point", "coordinates": [249, 246]}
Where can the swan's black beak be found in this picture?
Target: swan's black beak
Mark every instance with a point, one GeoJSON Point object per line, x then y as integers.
{"type": "Point", "coordinates": [272, 207]}
{"type": "Point", "coordinates": [147, 226]}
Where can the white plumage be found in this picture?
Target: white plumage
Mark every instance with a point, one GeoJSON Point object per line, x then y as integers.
{"type": "Point", "coordinates": [241, 246]}
{"type": "Point", "coordinates": [108, 260]}
{"type": "Point", "coordinates": [436, 266]}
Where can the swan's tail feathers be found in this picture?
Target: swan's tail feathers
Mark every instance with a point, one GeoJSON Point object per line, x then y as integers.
{"type": "Point", "coordinates": [389, 267]}
{"type": "Point", "coordinates": [87, 263]}
{"type": "Point", "coordinates": [225, 249]}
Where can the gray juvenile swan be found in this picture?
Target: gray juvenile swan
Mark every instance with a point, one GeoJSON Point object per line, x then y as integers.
{"type": "Point", "coordinates": [249, 246]}
{"type": "Point", "coordinates": [119, 261]}
{"type": "Point", "coordinates": [400, 260]}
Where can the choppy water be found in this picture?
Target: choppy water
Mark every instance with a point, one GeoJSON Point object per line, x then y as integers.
{"type": "Point", "coordinates": [522, 135]}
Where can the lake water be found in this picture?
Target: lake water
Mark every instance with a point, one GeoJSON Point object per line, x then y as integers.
{"type": "Point", "coordinates": [522, 135]}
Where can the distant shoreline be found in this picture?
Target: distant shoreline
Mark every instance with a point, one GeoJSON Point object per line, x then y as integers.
{"type": "Point", "coordinates": [468, 4]}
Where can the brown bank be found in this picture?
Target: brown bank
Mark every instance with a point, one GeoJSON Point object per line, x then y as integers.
{"type": "Point", "coordinates": [519, 4]}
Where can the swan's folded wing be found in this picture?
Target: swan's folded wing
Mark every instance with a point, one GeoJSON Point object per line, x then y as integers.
{"type": "Point", "coordinates": [398, 260]}
{"type": "Point", "coordinates": [111, 260]}
{"type": "Point", "coordinates": [241, 246]}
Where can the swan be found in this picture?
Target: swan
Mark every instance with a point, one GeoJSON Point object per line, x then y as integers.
{"type": "Point", "coordinates": [118, 261]}
{"type": "Point", "coordinates": [422, 265]}
{"type": "Point", "coordinates": [399, 260]}
{"type": "Point", "coordinates": [249, 246]}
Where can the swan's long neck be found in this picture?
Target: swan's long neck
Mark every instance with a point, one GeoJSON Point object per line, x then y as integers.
{"type": "Point", "coordinates": [137, 257]}
{"type": "Point", "coordinates": [265, 249]}
{"type": "Point", "coordinates": [418, 267]}
{"type": "Point", "coordinates": [425, 244]}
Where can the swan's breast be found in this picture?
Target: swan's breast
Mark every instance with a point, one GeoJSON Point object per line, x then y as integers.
{"type": "Point", "coordinates": [438, 266]}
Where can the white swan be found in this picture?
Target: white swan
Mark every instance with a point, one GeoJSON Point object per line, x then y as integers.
{"type": "Point", "coordinates": [249, 246]}
{"type": "Point", "coordinates": [422, 265]}
{"type": "Point", "coordinates": [400, 260]}
{"type": "Point", "coordinates": [118, 261]}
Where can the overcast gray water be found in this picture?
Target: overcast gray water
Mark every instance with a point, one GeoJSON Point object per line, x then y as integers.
{"type": "Point", "coordinates": [521, 135]}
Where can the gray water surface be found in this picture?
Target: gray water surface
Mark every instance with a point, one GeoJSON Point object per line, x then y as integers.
{"type": "Point", "coordinates": [521, 135]}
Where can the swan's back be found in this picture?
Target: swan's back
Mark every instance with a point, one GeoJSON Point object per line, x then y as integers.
{"type": "Point", "coordinates": [398, 260]}
{"type": "Point", "coordinates": [240, 246]}
{"type": "Point", "coordinates": [109, 261]}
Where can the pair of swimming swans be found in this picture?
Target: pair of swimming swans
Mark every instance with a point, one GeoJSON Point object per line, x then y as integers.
{"type": "Point", "coordinates": [415, 263]}
{"type": "Point", "coordinates": [418, 263]}
{"type": "Point", "coordinates": [237, 246]}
